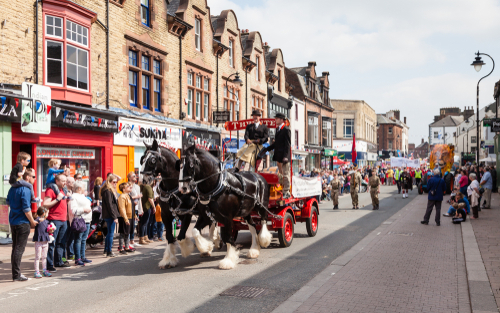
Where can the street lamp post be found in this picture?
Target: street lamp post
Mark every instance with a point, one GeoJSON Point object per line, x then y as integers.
{"type": "Point", "coordinates": [478, 64]}
{"type": "Point", "coordinates": [236, 80]}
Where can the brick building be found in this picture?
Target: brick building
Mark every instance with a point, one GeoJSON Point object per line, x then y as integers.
{"type": "Point", "coordinates": [422, 150]}
{"type": "Point", "coordinates": [313, 90]}
{"type": "Point", "coordinates": [392, 135]}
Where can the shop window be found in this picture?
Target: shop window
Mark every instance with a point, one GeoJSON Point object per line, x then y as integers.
{"type": "Point", "coordinates": [145, 91]}
{"type": "Point", "coordinates": [312, 130]}
{"type": "Point", "coordinates": [71, 38]}
{"type": "Point", "coordinates": [145, 13]}
{"type": "Point", "coordinates": [197, 34]}
{"type": "Point", "coordinates": [198, 87]}
{"type": "Point", "coordinates": [348, 127]}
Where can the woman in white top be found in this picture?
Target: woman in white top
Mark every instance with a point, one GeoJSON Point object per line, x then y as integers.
{"type": "Point", "coordinates": [473, 193]}
{"type": "Point", "coordinates": [80, 206]}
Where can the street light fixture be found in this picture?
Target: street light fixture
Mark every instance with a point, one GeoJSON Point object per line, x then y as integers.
{"type": "Point", "coordinates": [478, 64]}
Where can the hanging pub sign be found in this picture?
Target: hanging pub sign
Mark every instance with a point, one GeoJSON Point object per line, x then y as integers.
{"type": "Point", "coordinates": [495, 125]}
{"type": "Point", "coordinates": [67, 118]}
{"type": "Point", "coordinates": [133, 132]}
{"type": "Point", "coordinates": [220, 117]}
{"type": "Point", "coordinates": [35, 114]}
{"type": "Point", "coordinates": [11, 108]}
{"type": "Point", "coordinates": [239, 125]}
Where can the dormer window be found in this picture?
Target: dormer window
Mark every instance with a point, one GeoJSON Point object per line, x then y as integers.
{"type": "Point", "coordinates": [197, 34]}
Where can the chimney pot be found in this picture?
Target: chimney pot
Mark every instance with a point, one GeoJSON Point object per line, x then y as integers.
{"type": "Point", "coordinates": [422, 140]}
{"type": "Point", "coordinates": [405, 119]}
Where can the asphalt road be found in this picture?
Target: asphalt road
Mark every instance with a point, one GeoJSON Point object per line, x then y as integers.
{"type": "Point", "coordinates": [135, 284]}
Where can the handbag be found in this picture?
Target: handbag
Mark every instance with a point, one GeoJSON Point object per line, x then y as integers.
{"type": "Point", "coordinates": [78, 225]}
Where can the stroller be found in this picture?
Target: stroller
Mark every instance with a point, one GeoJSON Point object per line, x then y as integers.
{"type": "Point", "coordinates": [98, 228]}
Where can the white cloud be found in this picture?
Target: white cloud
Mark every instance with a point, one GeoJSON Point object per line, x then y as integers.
{"type": "Point", "coordinates": [411, 55]}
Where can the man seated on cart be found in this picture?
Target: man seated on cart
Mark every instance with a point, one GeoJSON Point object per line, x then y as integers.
{"type": "Point", "coordinates": [256, 134]}
{"type": "Point", "coordinates": [281, 147]}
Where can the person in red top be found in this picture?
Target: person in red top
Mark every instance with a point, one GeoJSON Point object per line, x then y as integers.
{"type": "Point", "coordinates": [58, 215]}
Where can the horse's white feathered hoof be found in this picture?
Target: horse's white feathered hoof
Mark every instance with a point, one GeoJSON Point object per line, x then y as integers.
{"type": "Point", "coordinates": [231, 259]}
{"type": "Point", "coordinates": [187, 247]}
{"type": "Point", "coordinates": [203, 245]}
{"type": "Point", "coordinates": [253, 253]}
{"type": "Point", "coordinates": [265, 237]}
{"type": "Point", "coordinates": [169, 259]}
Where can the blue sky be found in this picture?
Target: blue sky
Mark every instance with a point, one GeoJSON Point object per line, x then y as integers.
{"type": "Point", "coordinates": [411, 55]}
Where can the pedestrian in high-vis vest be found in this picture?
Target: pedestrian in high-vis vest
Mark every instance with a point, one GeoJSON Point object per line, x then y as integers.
{"type": "Point", "coordinates": [397, 178]}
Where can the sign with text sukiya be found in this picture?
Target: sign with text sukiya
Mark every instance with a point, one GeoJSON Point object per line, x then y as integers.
{"type": "Point", "coordinates": [35, 115]}
{"type": "Point", "coordinates": [136, 133]}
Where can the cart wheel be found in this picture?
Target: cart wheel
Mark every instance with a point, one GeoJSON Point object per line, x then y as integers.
{"type": "Point", "coordinates": [312, 223]}
{"type": "Point", "coordinates": [420, 189]}
{"type": "Point", "coordinates": [285, 234]}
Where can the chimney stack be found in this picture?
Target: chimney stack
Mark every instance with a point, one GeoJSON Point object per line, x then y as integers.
{"type": "Point", "coordinates": [266, 48]}
{"type": "Point", "coordinates": [405, 119]}
{"type": "Point", "coordinates": [422, 140]}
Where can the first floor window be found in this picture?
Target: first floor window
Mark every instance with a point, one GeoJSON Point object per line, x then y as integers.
{"type": "Point", "coordinates": [436, 135]}
{"type": "Point", "coordinates": [231, 111]}
{"type": "Point", "coordinates": [145, 91]}
{"type": "Point", "coordinates": [225, 105]}
{"type": "Point", "coordinates": [473, 139]}
{"type": "Point", "coordinates": [198, 104]}
{"type": "Point", "coordinates": [312, 130]}
{"type": "Point", "coordinates": [54, 62]}
{"type": "Point", "coordinates": [205, 108]}
{"type": "Point", "coordinates": [348, 127]}
{"type": "Point", "coordinates": [190, 102]}
{"type": "Point", "coordinates": [77, 68]}
{"type": "Point", "coordinates": [157, 101]}
{"type": "Point", "coordinates": [334, 128]}
{"type": "Point", "coordinates": [296, 138]}
{"type": "Point", "coordinates": [327, 133]}
{"type": "Point", "coordinates": [132, 82]}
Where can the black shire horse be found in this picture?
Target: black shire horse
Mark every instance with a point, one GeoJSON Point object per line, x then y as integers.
{"type": "Point", "coordinates": [159, 160]}
{"type": "Point", "coordinates": [227, 195]}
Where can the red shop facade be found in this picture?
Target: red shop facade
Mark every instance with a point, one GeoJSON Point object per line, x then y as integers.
{"type": "Point", "coordinates": [83, 147]}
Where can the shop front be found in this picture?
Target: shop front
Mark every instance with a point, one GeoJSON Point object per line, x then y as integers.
{"type": "Point", "coordinates": [299, 160]}
{"type": "Point", "coordinates": [313, 159]}
{"type": "Point", "coordinates": [81, 137]}
{"type": "Point", "coordinates": [205, 139]}
{"type": "Point", "coordinates": [130, 139]}
{"type": "Point", "coordinates": [326, 158]}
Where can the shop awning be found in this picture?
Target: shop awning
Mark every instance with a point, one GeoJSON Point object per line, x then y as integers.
{"type": "Point", "coordinates": [85, 118]}
{"type": "Point", "coordinates": [330, 152]}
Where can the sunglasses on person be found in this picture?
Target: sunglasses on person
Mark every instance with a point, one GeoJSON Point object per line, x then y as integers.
{"type": "Point", "coordinates": [28, 161]}
{"type": "Point", "coordinates": [114, 182]}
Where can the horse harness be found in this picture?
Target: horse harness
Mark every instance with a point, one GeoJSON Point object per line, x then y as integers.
{"type": "Point", "coordinates": [223, 186]}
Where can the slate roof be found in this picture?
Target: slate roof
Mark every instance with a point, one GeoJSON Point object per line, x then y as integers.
{"type": "Point", "coordinates": [244, 42]}
{"type": "Point", "coordinates": [172, 6]}
{"type": "Point", "coordinates": [300, 70]}
{"type": "Point", "coordinates": [214, 21]}
{"type": "Point", "coordinates": [448, 121]}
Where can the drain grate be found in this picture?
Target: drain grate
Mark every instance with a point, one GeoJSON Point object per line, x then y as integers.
{"type": "Point", "coordinates": [244, 292]}
{"type": "Point", "coordinates": [400, 234]}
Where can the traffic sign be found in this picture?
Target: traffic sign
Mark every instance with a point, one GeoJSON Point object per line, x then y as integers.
{"type": "Point", "coordinates": [221, 117]}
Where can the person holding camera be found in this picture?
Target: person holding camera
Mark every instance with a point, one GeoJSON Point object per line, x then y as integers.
{"type": "Point", "coordinates": [436, 188]}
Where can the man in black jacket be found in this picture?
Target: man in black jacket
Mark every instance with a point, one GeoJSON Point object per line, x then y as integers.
{"type": "Point", "coordinates": [256, 134]}
{"type": "Point", "coordinates": [281, 147]}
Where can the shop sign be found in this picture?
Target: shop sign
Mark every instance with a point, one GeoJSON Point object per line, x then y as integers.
{"type": "Point", "coordinates": [330, 152]}
{"type": "Point", "coordinates": [240, 125]}
{"type": "Point", "coordinates": [202, 139]}
{"type": "Point", "coordinates": [35, 115]}
{"type": "Point", "coordinates": [64, 153]}
{"type": "Point", "coordinates": [495, 125]}
{"type": "Point", "coordinates": [136, 133]}
{"type": "Point", "coordinates": [10, 110]}
{"type": "Point", "coordinates": [220, 117]}
{"type": "Point", "coordinates": [66, 118]}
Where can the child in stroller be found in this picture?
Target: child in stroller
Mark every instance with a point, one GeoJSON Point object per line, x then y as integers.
{"type": "Point", "coordinates": [98, 230]}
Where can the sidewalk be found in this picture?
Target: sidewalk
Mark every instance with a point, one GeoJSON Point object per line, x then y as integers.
{"type": "Point", "coordinates": [487, 233]}
{"type": "Point", "coordinates": [402, 266]}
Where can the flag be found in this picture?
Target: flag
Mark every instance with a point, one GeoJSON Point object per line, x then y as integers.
{"type": "Point", "coordinates": [353, 151]}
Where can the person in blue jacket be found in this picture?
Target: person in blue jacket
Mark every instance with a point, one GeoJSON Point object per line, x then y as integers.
{"type": "Point", "coordinates": [436, 188]}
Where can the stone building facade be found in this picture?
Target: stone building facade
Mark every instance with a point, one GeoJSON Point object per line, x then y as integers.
{"type": "Point", "coordinates": [355, 117]}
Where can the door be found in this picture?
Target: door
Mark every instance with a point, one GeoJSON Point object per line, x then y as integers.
{"type": "Point", "coordinates": [123, 162]}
